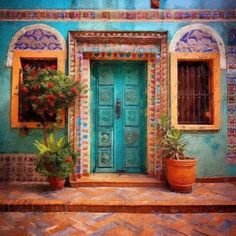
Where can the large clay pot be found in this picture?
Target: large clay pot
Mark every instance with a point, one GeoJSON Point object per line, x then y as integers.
{"type": "Point", "coordinates": [181, 174]}
{"type": "Point", "coordinates": [56, 182]}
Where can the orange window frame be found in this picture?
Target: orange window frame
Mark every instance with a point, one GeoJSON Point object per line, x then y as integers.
{"type": "Point", "coordinates": [213, 60]}
{"type": "Point", "coordinates": [59, 56]}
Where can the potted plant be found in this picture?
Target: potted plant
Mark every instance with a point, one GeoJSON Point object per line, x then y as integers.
{"type": "Point", "coordinates": [56, 160]}
{"type": "Point", "coordinates": [180, 169]}
{"type": "Point", "coordinates": [44, 93]}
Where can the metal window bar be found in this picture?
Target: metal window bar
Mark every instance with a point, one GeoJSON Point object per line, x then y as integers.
{"type": "Point", "coordinates": [194, 93]}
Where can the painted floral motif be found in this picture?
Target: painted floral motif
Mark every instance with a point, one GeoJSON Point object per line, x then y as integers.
{"type": "Point", "coordinates": [197, 41]}
{"type": "Point", "coordinates": [131, 137]}
{"type": "Point", "coordinates": [38, 39]}
{"type": "Point", "coordinates": [105, 158]}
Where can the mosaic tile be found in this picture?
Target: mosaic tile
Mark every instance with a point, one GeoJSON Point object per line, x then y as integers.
{"type": "Point", "coordinates": [19, 167]}
{"type": "Point", "coordinates": [128, 15]}
{"type": "Point", "coordinates": [231, 103]}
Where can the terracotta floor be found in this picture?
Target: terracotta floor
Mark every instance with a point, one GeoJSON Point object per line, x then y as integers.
{"type": "Point", "coordinates": [113, 206]}
{"type": "Point", "coordinates": [117, 224]}
{"type": "Point", "coordinates": [207, 197]}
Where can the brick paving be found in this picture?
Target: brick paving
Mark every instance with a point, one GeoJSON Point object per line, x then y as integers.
{"type": "Point", "coordinates": [207, 197]}
{"type": "Point", "coordinates": [115, 224]}
{"type": "Point", "coordinates": [25, 210]}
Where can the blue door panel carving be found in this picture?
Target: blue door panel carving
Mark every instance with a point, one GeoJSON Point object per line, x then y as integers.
{"type": "Point", "coordinates": [105, 74]}
{"type": "Point", "coordinates": [132, 116]}
{"type": "Point", "coordinates": [131, 160]}
{"type": "Point", "coordinates": [105, 116]}
{"type": "Point", "coordinates": [132, 95]}
{"type": "Point", "coordinates": [105, 158]}
{"type": "Point", "coordinates": [105, 95]}
{"type": "Point", "coordinates": [132, 136]}
{"type": "Point", "coordinates": [105, 137]}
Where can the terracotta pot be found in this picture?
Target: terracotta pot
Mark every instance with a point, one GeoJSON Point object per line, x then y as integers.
{"type": "Point", "coordinates": [56, 182]}
{"type": "Point", "coordinates": [181, 174]}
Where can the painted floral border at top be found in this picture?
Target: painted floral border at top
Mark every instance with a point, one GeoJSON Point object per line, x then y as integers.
{"type": "Point", "coordinates": [118, 15]}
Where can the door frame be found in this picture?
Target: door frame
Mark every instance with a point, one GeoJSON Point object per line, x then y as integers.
{"type": "Point", "coordinates": [109, 45]}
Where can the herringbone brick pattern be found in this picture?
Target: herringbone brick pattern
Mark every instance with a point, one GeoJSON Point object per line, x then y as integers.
{"type": "Point", "coordinates": [202, 192]}
{"type": "Point", "coordinates": [115, 224]}
{"type": "Point", "coordinates": [217, 197]}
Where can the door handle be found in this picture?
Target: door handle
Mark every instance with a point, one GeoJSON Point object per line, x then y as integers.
{"type": "Point", "coordinates": [117, 108]}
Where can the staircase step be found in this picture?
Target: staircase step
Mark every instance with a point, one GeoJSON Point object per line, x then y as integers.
{"type": "Point", "coordinates": [205, 197]}
{"type": "Point", "coordinates": [27, 205]}
{"type": "Point", "coordinates": [116, 180]}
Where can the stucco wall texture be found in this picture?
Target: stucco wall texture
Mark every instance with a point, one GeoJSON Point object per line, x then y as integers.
{"type": "Point", "coordinates": [210, 148]}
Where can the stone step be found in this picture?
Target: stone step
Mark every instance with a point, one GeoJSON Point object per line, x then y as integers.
{"type": "Point", "coordinates": [116, 180]}
{"type": "Point", "coordinates": [28, 205]}
{"type": "Point", "coordinates": [205, 198]}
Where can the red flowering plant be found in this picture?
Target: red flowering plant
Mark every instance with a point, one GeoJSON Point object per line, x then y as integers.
{"type": "Point", "coordinates": [43, 93]}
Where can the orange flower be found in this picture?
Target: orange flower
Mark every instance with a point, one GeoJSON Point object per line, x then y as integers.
{"type": "Point", "coordinates": [68, 159]}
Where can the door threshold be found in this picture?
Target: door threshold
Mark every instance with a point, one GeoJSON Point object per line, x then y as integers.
{"type": "Point", "coordinates": [117, 180]}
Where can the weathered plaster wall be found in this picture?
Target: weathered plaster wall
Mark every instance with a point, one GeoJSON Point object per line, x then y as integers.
{"type": "Point", "coordinates": [209, 147]}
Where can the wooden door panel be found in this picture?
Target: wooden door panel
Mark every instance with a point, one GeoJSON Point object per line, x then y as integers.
{"type": "Point", "coordinates": [105, 158]}
{"type": "Point", "coordinates": [131, 95]}
{"type": "Point", "coordinates": [131, 160]}
{"type": "Point", "coordinates": [105, 95]}
{"type": "Point", "coordinates": [131, 116]}
{"type": "Point", "coordinates": [105, 116]}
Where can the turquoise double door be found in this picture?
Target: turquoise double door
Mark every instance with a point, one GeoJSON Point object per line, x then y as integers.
{"type": "Point", "coordinates": [118, 116]}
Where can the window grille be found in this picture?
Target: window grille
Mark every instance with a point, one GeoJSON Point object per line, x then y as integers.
{"type": "Point", "coordinates": [194, 93]}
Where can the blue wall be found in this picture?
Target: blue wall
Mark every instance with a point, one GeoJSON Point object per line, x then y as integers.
{"type": "Point", "coordinates": [210, 147]}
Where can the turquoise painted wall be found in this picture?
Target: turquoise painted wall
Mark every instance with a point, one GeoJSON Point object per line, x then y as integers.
{"type": "Point", "coordinates": [209, 147]}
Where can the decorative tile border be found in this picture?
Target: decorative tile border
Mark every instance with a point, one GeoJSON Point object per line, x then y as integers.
{"type": "Point", "coordinates": [19, 167]}
{"type": "Point", "coordinates": [231, 104]}
{"type": "Point", "coordinates": [119, 15]}
{"type": "Point", "coordinates": [82, 52]}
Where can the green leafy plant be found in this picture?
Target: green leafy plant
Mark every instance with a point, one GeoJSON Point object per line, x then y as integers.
{"type": "Point", "coordinates": [172, 141]}
{"type": "Point", "coordinates": [57, 158]}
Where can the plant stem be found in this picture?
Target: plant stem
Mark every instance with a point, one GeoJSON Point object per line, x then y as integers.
{"type": "Point", "coordinates": [45, 134]}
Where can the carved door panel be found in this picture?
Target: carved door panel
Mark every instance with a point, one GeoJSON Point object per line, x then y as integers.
{"type": "Point", "coordinates": [118, 116]}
